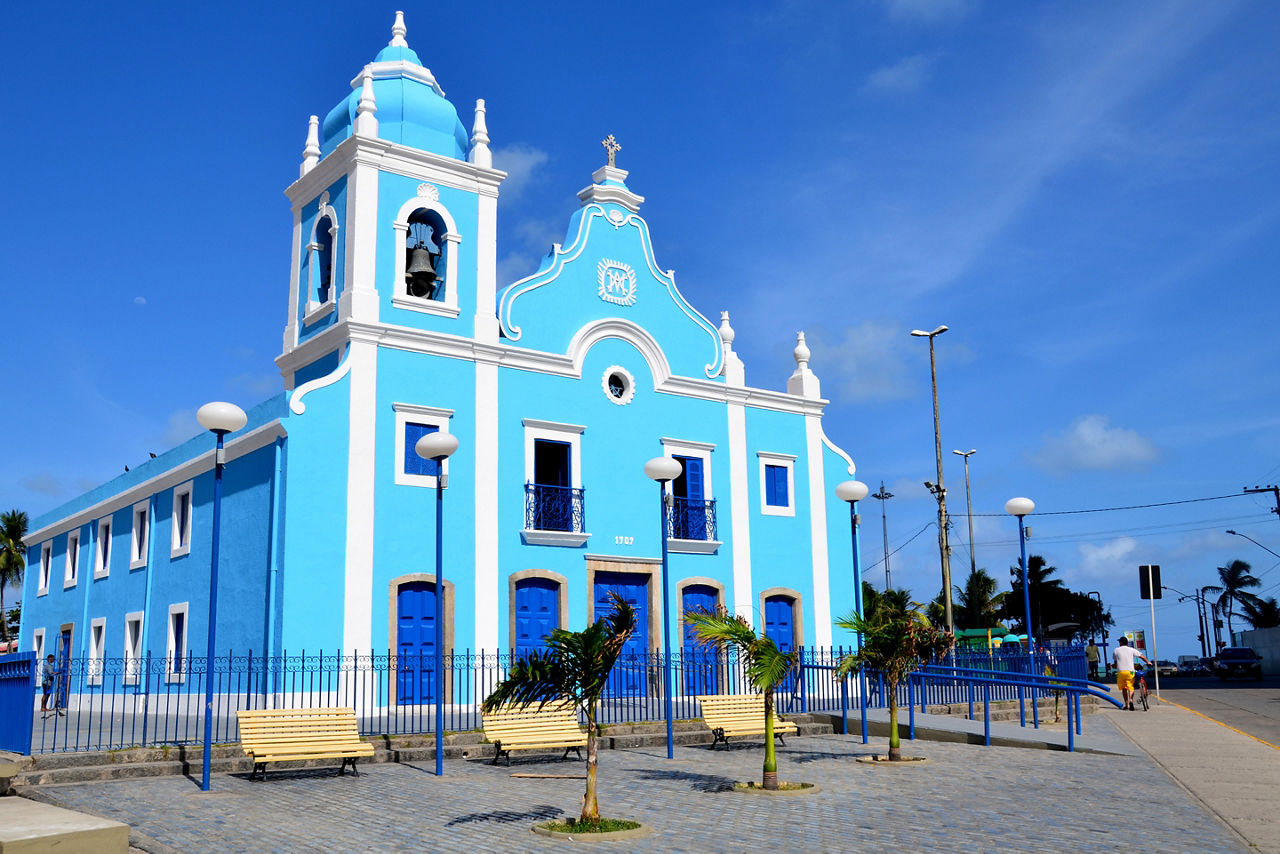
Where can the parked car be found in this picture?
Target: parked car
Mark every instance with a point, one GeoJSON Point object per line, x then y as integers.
{"type": "Point", "coordinates": [1238, 661]}
{"type": "Point", "coordinates": [1166, 667]}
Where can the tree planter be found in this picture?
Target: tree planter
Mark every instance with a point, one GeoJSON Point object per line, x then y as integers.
{"type": "Point", "coordinates": [784, 788]}
{"type": "Point", "coordinates": [593, 836]}
{"type": "Point", "coordinates": [885, 760]}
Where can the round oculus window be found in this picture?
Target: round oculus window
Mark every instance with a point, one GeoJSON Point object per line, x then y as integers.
{"type": "Point", "coordinates": [619, 386]}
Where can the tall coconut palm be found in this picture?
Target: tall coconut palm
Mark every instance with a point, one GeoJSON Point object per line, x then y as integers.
{"type": "Point", "coordinates": [574, 667]}
{"type": "Point", "coordinates": [1264, 614]}
{"type": "Point", "coordinates": [1235, 578]}
{"type": "Point", "coordinates": [13, 556]}
{"type": "Point", "coordinates": [978, 603]}
{"type": "Point", "coordinates": [1041, 587]}
{"type": "Point", "coordinates": [894, 640]}
{"type": "Point", "coordinates": [766, 666]}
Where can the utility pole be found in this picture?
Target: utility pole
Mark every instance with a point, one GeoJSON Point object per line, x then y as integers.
{"type": "Point", "coordinates": [939, 491]}
{"type": "Point", "coordinates": [968, 506]}
{"type": "Point", "coordinates": [884, 495]}
{"type": "Point", "coordinates": [1272, 488]}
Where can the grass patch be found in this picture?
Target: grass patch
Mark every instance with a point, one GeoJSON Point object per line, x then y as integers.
{"type": "Point", "coordinates": [782, 787]}
{"type": "Point", "coordinates": [604, 825]}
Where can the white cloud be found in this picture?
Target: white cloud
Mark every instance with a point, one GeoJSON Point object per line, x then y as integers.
{"type": "Point", "coordinates": [182, 426]}
{"type": "Point", "coordinates": [139, 300]}
{"type": "Point", "coordinates": [521, 163]}
{"type": "Point", "coordinates": [907, 75]}
{"type": "Point", "coordinates": [1106, 560]}
{"type": "Point", "coordinates": [1091, 443]}
{"type": "Point", "coordinates": [927, 11]}
{"type": "Point", "coordinates": [44, 483]}
{"type": "Point", "coordinates": [864, 362]}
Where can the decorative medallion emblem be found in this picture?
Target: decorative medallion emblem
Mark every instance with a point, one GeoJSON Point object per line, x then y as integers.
{"type": "Point", "coordinates": [429, 192]}
{"type": "Point", "coordinates": [616, 217]}
{"type": "Point", "coordinates": [324, 200]}
{"type": "Point", "coordinates": [617, 282]}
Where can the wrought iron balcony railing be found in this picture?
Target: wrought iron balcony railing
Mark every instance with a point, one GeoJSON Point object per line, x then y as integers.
{"type": "Point", "coordinates": [553, 508]}
{"type": "Point", "coordinates": [691, 519]}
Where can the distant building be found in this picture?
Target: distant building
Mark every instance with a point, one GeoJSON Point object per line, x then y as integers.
{"type": "Point", "coordinates": [559, 387]}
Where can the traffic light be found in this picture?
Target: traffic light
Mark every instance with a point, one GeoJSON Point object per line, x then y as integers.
{"type": "Point", "coordinates": [1146, 582]}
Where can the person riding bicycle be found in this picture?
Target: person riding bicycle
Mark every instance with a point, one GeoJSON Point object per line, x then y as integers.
{"type": "Point", "coordinates": [1123, 657]}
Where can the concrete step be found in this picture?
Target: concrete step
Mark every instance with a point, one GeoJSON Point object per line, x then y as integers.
{"type": "Point", "coordinates": [30, 826]}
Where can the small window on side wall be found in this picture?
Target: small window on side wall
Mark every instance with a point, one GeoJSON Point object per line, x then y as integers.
{"type": "Point", "coordinates": [46, 563]}
{"type": "Point", "coordinates": [72, 571]}
{"type": "Point", "coordinates": [180, 534]}
{"type": "Point", "coordinates": [176, 644]}
{"type": "Point", "coordinates": [412, 423]}
{"type": "Point", "coordinates": [138, 541]}
{"type": "Point", "coordinates": [102, 555]}
{"type": "Point", "coordinates": [777, 484]}
{"type": "Point", "coordinates": [322, 262]}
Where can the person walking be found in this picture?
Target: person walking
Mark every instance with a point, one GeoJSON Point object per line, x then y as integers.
{"type": "Point", "coordinates": [1091, 656]}
{"type": "Point", "coordinates": [48, 679]}
{"type": "Point", "coordinates": [1124, 656]}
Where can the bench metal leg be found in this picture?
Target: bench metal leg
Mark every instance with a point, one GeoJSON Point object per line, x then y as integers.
{"type": "Point", "coordinates": [778, 736]}
{"type": "Point", "coordinates": [259, 771]}
{"type": "Point", "coordinates": [343, 769]}
{"type": "Point", "coordinates": [497, 754]}
{"type": "Point", "coordinates": [718, 734]}
{"type": "Point", "coordinates": [577, 750]}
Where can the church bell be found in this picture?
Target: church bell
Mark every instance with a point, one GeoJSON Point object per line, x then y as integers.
{"type": "Point", "coordinates": [420, 273]}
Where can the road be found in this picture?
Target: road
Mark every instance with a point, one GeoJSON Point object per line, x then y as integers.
{"type": "Point", "coordinates": [1247, 705]}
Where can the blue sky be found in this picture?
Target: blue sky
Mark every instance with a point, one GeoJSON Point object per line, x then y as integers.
{"type": "Point", "coordinates": [1088, 195]}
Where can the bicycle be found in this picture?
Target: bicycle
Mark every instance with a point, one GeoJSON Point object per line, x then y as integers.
{"type": "Point", "coordinates": [1140, 691]}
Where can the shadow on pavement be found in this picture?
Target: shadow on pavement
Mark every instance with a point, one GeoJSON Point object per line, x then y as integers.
{"type": "Point", "coordinates": [542, 811]}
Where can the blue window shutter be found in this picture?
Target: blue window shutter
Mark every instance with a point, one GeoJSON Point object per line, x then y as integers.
{"type": "Point", "coordinates": [692, 478]}
{"type": "Point", "coordinates": [414, 464]}
{"type": "Point", "coordinates": [775, 493]}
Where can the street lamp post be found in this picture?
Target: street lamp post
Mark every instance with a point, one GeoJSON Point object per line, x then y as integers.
{"type": "Point", "coordinates": [663, 470]}
{"type": "Point", "coordinates": [884, 495]}
{"type": "Point", "coordinates": [438, 446]}
{"type": "Point", "coordinates": [968, 506]}
{"type": "Point", "coordinates": [220, 419]}
{"type": "Point", "coordinates": [1020, 507]}
{"type": "Point", "coordinates": [940, 492]}
{"type": "Point", "coordinates": [854, 491]}
{"type": "Point", "coordinates": [1252, 540]}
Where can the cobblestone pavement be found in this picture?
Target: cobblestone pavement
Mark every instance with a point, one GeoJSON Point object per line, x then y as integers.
{"type": "Point", "coordinates": [965, 798]}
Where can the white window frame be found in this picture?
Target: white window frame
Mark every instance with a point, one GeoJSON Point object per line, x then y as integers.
{"type": "Point", "coordinates": [133, 653]}
{"type": "Point", "coordinates": [315, 309]}
{"type": "Point", "coordinates": [171, 643]}
{"type": "Point", "coordinates": [102, 549]}
{"type": "Point", "coordinates": [139, 541]}
{"type": "Point", "coordinates": [97, 648]}
{"type": "Point", "coordinates": [411, 413]}
{"type": "Point", "coordinates": [787, 461]}
{"type": "Point", "coordinates": [37, 643]}
{"type": "Point", "coordinates": [46, 569]}
{"type": "Point", "coordinates": [447, 307]}
{"type": "Point", "coordinates": [701, 450]}
{"type": "Point", "coordinates": [180, 538]}
{"type": "Point", "coordinates": [554, 431]}
{"type": "Point", "coordinates": [71, 573]}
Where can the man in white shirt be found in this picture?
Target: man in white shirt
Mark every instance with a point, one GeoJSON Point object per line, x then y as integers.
{"type": "Point", "coordinates": [1123, 657]}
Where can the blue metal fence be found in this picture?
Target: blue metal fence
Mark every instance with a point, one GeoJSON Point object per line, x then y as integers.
{"type": "Point", "coordinates": [114, 703]}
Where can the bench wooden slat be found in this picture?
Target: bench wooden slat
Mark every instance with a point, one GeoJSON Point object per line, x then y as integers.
{"type": "Point", "coordinates": [552, 725]}
{"type": "Point", "coordinates": [740, 714]}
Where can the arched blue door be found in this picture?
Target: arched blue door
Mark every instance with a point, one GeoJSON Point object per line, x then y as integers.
{"type": "Point", "coordinates": [415, 642]}
{"type": "Point", "coordinates": [779, 616]}
{"type": "Point", "coordinates": [628, 676]}
{"type": "Point", "coordinates": [537, 613]}
{"type": "Point", "coordinates": [699, 661]}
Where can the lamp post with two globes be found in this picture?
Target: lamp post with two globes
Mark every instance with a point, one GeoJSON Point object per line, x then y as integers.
{"type": "Point", "coordinates": [220, 419]}
{"type": "Point", "coordinates": [438, 446]}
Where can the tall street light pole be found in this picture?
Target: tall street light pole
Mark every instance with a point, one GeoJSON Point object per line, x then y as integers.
{"type": "Point", "coordinates": [220, 419]}
{"type": "Point", "coordinates": [884, 495]}
{"type": "Point", "coordinates": [438, 446]}
{"type": "Point", "coordinates": [1020, 507]}
{"type": "Point", "coordinates": [663, 470]}
{"type": "Point", "coordinates": [940, 492]}
{"type": "Point", "coordinates": [968, 506]}
{"type": "Point", "coordinates": [1252, 540]}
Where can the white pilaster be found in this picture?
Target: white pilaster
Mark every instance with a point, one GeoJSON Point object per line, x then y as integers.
{"type": "Point", "coordinates": [295, 270]}
{"type": "Point", "coordinates": [740, 512]}
{"type": "Point", "coordinates": [486, 323]}
{"type": "Point", "coordinates": [360, 295]}
{"type": "Point", "coordinates": [487, 590]}
{"type": "Point", "coordinates": [818, 531]}
{"type": "Point", "coordinates": [357, 614]}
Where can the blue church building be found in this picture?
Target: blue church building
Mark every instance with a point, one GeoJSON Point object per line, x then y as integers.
{"type": "Point", "coordinates": [558, 387]}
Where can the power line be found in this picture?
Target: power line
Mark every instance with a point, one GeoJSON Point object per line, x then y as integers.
{"type": "Point", "coordinates": [1127, 507]}
{"type": "Point", "coordinates": [927, 526]}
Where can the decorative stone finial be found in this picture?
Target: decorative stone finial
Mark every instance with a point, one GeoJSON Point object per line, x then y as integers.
{"type": "Point", "coordinates": [311, 151]}
{"type": "Point", "coordinates": [398, 32]}
{"type": "Point", "coordinates": [480, 154]}
{"type": "Point", "coordinates": [726, 331]}
{"type": "Point", "coordinates": [366, 121]}
{"type": "Point", "coordinates": [801, 353]}
{"type": "Point", "coordinates": [611, 145]}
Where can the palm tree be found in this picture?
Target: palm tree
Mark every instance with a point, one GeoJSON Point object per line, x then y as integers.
{"type": "Point", "coordinates": [1041, 587]}
{"type": "Point", "coordinates": [978, 603]}
{"type": "Point", "coordinates": [1235, 577]}
{"type": "Point", "coordinates": [894, 640]}
{"type": "Point", "coordinates": [873, 599]}
{"type": "Point", "coordinates": [766, 666]}
{"type": "Point", "coordinates": [13, 556]}
{"type": "Point", "coordinates": [574, 667]}
{"type": "Point", "coordinates": [1262, 614]}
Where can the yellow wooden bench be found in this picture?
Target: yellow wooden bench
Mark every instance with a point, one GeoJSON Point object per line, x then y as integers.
{"type": "Point", "coordinates": [281, 735]}
{"type": "Point", "coordinates": [553, 725]}
{"type": "Point", "coordinates": [739, 714]}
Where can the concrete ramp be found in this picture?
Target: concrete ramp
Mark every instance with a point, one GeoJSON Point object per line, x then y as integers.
{"type": "Point", "coordinates": [28, 827]}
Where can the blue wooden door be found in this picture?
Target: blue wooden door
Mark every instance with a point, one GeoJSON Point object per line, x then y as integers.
{"type": "Point", "coordinates": [416, 642]}
{"type": "Point", "coordinates": [779, 619]}
{"type": "Point", "coordinates": [699, 661]}
{"type": "Point", "coordinates": [63, 663]}
{"type": "Point", "coordinates": [691, 510]}
{"type": "Point", "coordinates": [537, 613]}
{"type": "Point", "coordinates": [628, 676]}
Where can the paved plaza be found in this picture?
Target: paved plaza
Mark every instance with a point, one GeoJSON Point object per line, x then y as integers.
{"type": "Point", "coordinates": [965, 798]}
